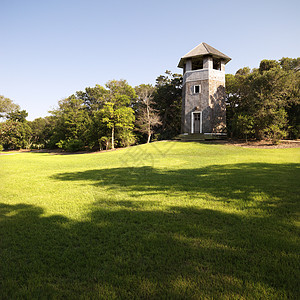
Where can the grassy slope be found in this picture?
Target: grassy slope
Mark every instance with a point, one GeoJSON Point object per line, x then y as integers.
{"type": "Point", "coordinates": [180, 220]}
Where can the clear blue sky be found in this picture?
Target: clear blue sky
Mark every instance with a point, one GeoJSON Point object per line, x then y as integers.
{"type": "Point", "coordinates": [52, 48]}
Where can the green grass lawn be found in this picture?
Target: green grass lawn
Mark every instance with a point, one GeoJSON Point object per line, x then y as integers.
{"type": "Point", "coordinates": [165, 220]}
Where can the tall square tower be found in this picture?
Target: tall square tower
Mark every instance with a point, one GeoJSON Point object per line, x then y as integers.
{"type": "Point", "coordinates": [203, 103]}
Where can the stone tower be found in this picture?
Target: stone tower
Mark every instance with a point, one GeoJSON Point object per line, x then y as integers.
{"type": "Point", "coordinates": [203, 103]}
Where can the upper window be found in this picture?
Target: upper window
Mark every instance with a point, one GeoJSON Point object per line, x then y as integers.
{"type": "Point", "coordinates": [197, 89]}
{"type": "Point", "coordinates": [217, 64]}
{"type": "Point", "coordinates": [197, 64]}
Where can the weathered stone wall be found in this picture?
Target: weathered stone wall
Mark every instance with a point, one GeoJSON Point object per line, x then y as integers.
{"type": "Point", "coordinates": [204, 74]}
{"type": "Point", "coordinates": [192, 102]}
{"type": "Point", "coordinates": [210, 100]}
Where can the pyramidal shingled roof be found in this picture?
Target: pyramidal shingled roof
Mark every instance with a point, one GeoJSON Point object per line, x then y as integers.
{"type": "Point", "coordinates": [201, 50]}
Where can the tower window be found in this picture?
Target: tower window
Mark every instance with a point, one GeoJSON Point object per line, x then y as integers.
{"type": "Point", "coordinates": [217, 64]}
{"type": "Point", "coordinates": [197, 89]}
{"type": "Point", "coordinates": [197, 64]}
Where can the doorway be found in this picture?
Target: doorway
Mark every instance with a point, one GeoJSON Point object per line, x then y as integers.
{"type": "Point", "coordinates": [196, 122]}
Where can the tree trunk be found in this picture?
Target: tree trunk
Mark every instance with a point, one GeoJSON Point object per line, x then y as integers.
{"type": "Point", "coordinates": [113, 137]}
{"type": "Point", "coordinates": [149, 125]}
{"type": "Point", "coordinates": [164, 121]}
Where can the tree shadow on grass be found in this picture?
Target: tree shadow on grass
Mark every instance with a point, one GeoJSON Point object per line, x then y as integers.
{"type": "Point", "coordinates": [180, 253]}
{"type": "Point", "coordinates": [127, 250]}
{"type": "Point", "coordinates": [271, 187]}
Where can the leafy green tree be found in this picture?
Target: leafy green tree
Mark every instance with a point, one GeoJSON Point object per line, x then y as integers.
{"type": "Point", "coordinates": [290, 64]}
{"type": "Point", "coordinates": [7, 106]}
{"type": "Point", "coordinates": [72, 123]}
{"type": "Point", "coordinates": [42, 132]}
{"type": "Point", "coordinates": [244, 124]}
{"type": "Point", "coordinates": [267, 64]}
{"type": "Point", "coordinates": [276, 130]}
{"type": "Point", "coordinates": [269, 95]}
{"type": "Point", "coordinates": [167, 100]}
{"type": "Point", "coordinates": [117, 114]}
{"type": "Point", "coordinates": [17, 115]}
{"type": "Point", "coordinates": [233, 101]}
{"type": "Point", "coordinates": [97, 116]}
{"type": "Point", "coordinates": [14, 134]}
{"type": "Point", "coordinates": [126, 137]}
{"type": "Point", "coordinates": [271, 91]}
{"type": "Point", "coordinates": [98, 132]}
{"type": "Point", "coordinates": [93, 98]}
{"type": "Point", "coordinates": [293, 112]}
{"type": "Point", "coordinates": [293, 102]}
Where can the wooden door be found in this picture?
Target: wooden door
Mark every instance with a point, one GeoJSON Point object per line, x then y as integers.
{"type": "Point", "coordinates": [197, 123]}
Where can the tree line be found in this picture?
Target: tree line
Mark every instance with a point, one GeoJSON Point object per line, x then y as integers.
{"type": "Point", "coordinates": [262, 103]}
{"type": "Point", "coordinates": [100, 117]}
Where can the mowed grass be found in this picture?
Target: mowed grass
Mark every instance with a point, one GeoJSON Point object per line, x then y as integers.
{"type": "Point", "coordinates": [165, 220]}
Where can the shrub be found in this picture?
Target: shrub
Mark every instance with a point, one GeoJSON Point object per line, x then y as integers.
{"type": "Point", "coordinates": [61, 144]}
{"type": "Point", "coordinates": [104, 142]}
{"type": "Point", "coordinates": [37, 146]}
{"type": "Point", "coordinates": [126, 138]}
{"type": "Point", "coordinates": [74, 145]}
{"type": "Point", "coordinates": [71, 145]}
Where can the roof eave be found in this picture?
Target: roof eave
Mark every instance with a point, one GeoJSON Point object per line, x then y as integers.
{"type": "Point", "coordinates": [183, 59]}
{"type": "Point", "coordinates": [181, 63]}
